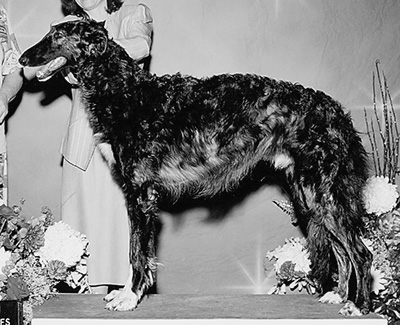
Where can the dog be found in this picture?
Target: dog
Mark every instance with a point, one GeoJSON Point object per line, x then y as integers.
{"type": "Point", "coordinates": [176, 136]}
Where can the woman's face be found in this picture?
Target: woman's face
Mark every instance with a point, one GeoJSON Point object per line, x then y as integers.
{"type": "Point", "coordinates": [88, 5]}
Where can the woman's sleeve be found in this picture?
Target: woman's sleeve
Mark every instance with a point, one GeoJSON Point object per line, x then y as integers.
{"type": "Point", "coordinates": [136, 32]}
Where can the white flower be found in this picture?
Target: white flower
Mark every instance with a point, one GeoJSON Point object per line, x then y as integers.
{"type": "Point", "coordinates": [4, 257]}
{"type": "Point", "coordinates": [379, 195]}
{"type": "Point", "coordinates": [64, 244]}
{"type": "Point", "coordinates": [293, 251]}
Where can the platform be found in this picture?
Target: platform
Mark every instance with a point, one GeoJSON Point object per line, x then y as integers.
{"type": "Point", "coordinates": [72, 309]}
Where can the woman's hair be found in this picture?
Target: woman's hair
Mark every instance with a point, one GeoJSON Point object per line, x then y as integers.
{"type": "Point", "coordinates": [70, 7]}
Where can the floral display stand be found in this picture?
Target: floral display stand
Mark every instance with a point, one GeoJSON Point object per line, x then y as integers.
{"type": "Point", "coordinates": [296, 309]}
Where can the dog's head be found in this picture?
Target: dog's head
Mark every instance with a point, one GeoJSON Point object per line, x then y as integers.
{"type": "Point", "coordinates": [66, 45]}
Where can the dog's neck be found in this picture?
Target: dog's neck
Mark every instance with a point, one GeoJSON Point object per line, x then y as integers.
{"type": "Point", "coordinates": [106, 81]}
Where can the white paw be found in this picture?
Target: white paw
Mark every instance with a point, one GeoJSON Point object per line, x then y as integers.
{"type": "Point", "coordinates": [110, 296]}
{"type": "Point", "coordinates": [121, 300]}
{"type": "Point", "coordinates": [331, 297]}
{"type": "Point", "coordinates": [350, 309]}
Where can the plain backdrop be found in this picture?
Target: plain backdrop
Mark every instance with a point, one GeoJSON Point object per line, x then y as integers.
{"type": "Point", "coordinates": [331, 45]}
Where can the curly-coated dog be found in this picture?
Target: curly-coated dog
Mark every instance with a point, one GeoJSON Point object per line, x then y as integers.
{"type": "Point", "coordinates": [173, 136]}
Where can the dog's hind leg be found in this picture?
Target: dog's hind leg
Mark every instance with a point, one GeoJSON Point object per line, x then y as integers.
{"type": "Point", "coordinates": [326, 184]}
{"type": "Point", "coordinates": [330, 217]}
{"type": "Point", "coordinates": [143, 214]}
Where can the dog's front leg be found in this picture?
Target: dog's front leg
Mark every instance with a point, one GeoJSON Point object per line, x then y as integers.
{"type": "Point", "coordinates": [143, 215]}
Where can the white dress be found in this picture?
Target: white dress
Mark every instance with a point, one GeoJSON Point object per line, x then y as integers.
{"type": "Point", "coordinates": [92, 202]}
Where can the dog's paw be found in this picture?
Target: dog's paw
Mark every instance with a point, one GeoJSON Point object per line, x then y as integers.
{"type": "Point", "coordinates": [331, 297]}
{"type": "Point", "coordinates": [110, 296]}
{"type": "Point", "coordinates": [350, 309]}
{"type": "Point", "coordinates": [121, 300]}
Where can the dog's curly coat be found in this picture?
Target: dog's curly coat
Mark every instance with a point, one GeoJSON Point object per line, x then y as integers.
{"type": "Point", "coordinates": [172, 136]}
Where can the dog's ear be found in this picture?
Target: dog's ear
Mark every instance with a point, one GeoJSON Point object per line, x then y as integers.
{"type": "Point", "coordinates": [98, 44]}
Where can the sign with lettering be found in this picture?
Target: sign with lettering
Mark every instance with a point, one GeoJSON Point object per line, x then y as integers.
{"type": "Point", "coordinates": [11, 312]}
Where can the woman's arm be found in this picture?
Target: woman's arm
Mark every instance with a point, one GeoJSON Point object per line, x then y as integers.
{"type": "Point", "coordinates": [12, 83]}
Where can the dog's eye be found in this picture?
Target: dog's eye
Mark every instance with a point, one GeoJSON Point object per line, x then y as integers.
{"type": "Point", "coordinates": [58, 34]}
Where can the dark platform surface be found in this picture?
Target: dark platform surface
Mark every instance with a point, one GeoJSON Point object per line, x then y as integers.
{"type": "Point", "coordinates": [161, 306]}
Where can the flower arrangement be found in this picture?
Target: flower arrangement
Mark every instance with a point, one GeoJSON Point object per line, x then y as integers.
{"type": "Point", "coordinates": [37, 255]}
{"type": "Point", "coordinates": [292, 267]}
{"type": "Point", "coordinates": [382, 204]}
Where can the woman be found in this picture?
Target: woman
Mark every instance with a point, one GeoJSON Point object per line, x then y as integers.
{"type": "Point", "coordinates": [10, 84]}
{"type": "Point", "coordinates": [92, 202]}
